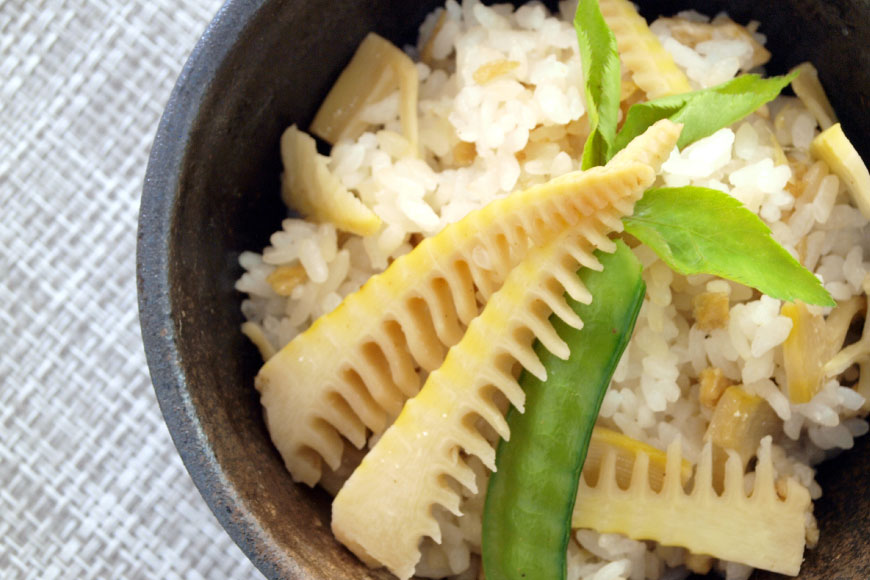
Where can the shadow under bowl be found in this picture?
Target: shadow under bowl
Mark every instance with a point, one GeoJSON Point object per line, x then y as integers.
{"type": "Point", "coordinates": [212, 191]}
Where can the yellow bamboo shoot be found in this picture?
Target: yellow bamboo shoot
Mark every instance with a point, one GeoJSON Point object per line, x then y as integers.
{"type": "Point", "coordinates": [652, 68]}
{"type": "Point", "coordinates": [834, 148]}
{"type": "Point", "coordinates": [377, 69]}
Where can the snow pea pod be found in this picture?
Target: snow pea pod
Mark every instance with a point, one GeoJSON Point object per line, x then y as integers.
{"type": "Point", "coordinates": [527, 515]}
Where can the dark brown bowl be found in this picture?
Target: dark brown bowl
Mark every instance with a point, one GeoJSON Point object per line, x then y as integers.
{"type": "Point", "coordinates": [211, 191]}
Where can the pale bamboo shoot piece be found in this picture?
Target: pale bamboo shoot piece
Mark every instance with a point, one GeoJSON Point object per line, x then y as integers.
{"type": "Point", "coordinates": [386, 507]}
{"type": "Point", "coordinates": [834, 148]}
{"type": "Point", "coordinates": [352, 371]}
{"type": "Point", "coordinates": [309, 187]}
{"type": "Point", "coordinates": [377, 69]}
{"type": "Point", "coordinates": [652, 67]}
{"type": "Point", "coordinates": [758, 529]}
{"type": "Point", "coordinates": [809, 90]}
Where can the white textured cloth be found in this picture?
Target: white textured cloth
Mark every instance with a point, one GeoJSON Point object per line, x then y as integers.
{"type": "Point", "coordinates": [90, 483]}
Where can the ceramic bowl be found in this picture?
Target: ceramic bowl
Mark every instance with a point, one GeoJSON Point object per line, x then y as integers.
{"type": "Point", "coordinates": [211, 191]}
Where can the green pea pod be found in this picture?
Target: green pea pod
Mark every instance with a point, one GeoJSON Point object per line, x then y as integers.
{"type": "Point", "coordinates": [527, 516]}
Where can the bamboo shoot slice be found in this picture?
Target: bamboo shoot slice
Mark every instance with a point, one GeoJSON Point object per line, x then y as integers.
{"type": "Point", "coordinates": [377, 69]}
{"type": "Point", "coordinates": [803, 352]}
{"type": "Point", "coordinates": [839, 321]}
{"type": "Point", "coordinates": [809, 90]}
{"type": "Point", "coordinates": [739, 422]}
{"type": "Point", "coordinates": [834, 148]}
{"type": "Point", "coordinates": [652, 68]}
{"type": "Point", "coordinates": [625, 451]}
{"type": "Point", "coordinates": [856, 353]}
{"type": "Point", "coordinates": [385, 508]}
{"type": "Point", "coordinates": [309, 187]}
{"type": "Point", "coordinates": [758, 529]}
{"type": "Point", "coordinates": [354, 368]}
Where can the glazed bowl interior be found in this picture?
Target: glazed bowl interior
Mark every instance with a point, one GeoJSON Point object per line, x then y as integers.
{"type": "Point", "coordinates": [212, 191]}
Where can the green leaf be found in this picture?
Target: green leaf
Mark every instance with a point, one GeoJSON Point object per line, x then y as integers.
{"type": "Point", "coordinates": [698, 230]}
{"type": "Point", "coordinates": [602, 77]}
{"type": "Point", "coordinates": [702, 112]}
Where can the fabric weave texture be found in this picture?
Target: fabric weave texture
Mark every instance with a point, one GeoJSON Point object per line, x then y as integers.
{"type": "Point", "coordinates": [91, 485]}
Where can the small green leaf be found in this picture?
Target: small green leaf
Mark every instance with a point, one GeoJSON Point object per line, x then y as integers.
{"type": "Point", "coordinates": [702, 112]}
{"type": "Point", "coordinates": [698, 230]}
{"type": "Point", "coordinates": [602, 78]}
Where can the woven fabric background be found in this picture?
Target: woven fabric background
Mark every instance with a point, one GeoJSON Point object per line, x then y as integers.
{"type": "Point", "coordinates": [90, 483]}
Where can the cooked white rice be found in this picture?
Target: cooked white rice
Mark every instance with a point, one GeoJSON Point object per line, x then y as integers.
{"type": "Point", "coordinates": [528, 126]}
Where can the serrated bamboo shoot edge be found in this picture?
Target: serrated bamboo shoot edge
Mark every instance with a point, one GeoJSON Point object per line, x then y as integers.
{"type": "Point", "coordinates": [651, 67]}
{"type": "Point", "coordinates": [415, 457]}
{"type": "Point", "coordinates": [758, 529]}
{"type": "Point", "coordinates": [351, 372]}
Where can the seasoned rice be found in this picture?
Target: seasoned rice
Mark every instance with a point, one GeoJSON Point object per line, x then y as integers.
{"type": "Point", "coordinates": [520, 122]}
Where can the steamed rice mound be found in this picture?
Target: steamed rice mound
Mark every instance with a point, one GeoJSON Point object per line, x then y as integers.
{"type": "Point", "coordinates": [500, 108]}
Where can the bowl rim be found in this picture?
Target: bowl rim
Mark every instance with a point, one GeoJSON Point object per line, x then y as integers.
{"type": "Point", "coordinates": [160, 193]}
